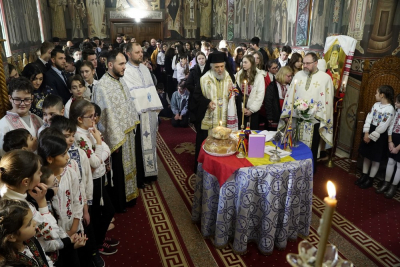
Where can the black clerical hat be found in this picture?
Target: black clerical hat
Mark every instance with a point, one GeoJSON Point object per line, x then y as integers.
{"type": "Point", "coordinates": [217, 57]}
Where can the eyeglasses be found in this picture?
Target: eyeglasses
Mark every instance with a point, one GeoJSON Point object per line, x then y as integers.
{"type": "Point", "coordinates": [308, 63]}
{"type": "Point", "coordinates": [274, 68]}
{"type": "Point", "coordinates": [18, 101]}
{"type": "Point", "coordinates": [91, 116]}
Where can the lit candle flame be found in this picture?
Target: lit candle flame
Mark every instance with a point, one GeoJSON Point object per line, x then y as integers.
{"type": "Point", "coordinates": [295, 81]}
{"type": "Point", "coordinates": [237, 70]}
{"type": "Point", "coordinates": [245, 81]}
{"type": "Point", "coordinates": [331, 190]}
{"type": "Point", "coordinates": [220, 123]}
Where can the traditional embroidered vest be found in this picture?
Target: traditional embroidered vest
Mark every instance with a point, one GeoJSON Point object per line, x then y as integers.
{"type": "Point", "coordinates": [15, 120]}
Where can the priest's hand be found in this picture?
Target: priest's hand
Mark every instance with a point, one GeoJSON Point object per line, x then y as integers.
{"type": "Point", "coordinates": [366, 138]}
{"type": "Point", "coordinates": [212, 105]}
{"type": "Point", "coordinates": [176, 117]}
{"type": "Point", "coordinates": [247, 112]}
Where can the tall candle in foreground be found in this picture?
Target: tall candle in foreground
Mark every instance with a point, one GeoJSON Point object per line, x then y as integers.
{"type": "Point", "coordinates": [325, 226]}
{"type": "Point", "coordinates": [244, 103]}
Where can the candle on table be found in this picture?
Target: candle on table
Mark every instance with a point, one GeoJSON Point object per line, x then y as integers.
{"type": "Point", "coordinates": [243, 104]}
{"type": "Point", "coordinates": [326, 222]}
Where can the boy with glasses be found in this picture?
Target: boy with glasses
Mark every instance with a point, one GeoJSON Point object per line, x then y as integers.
{"type": "Point", "coordinates": [20, 94]}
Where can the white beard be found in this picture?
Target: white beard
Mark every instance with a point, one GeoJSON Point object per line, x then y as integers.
{"type": "Point", "coordinates": [218, 76]}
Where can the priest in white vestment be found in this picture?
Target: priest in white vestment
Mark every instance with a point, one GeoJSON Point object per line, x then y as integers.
{"type": "Point", "coordinates": [148, 105]}
{"type": "Point", "coordinates": [311, 84]}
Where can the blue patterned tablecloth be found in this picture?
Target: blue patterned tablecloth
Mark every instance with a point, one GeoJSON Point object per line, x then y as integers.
{"type": "Point", "coordinates": [267, 204]}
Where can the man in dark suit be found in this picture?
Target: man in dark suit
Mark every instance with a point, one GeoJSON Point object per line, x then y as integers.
{"type": "Point", "coordinates": [254, 43]}
{"type": "Point", "coordinates": [43, 62]}
{"type": "Point", "coordinates": [55, 77]}
{"type": "Point", "coordinates": [70, 69]}
{"type": "Point", "coordinates": [282, 60]}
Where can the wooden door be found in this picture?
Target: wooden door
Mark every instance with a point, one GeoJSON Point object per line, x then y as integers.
{"type": "Point", "coordinates": [141, 31]}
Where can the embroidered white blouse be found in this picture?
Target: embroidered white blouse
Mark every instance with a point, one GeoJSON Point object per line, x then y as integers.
{"type": "Point", "coordinates": [12, 121]}
{"type": "Point", "coordinates": [49, 234]}
{"type": "Point", "coordinates": [68, 203]}
{"type": "Point", "coordinates": [395, 124]}
{"type": "Point", "coordinates": [97, 154]}
{"type": "Point", "coordinates": [380, 116]}
{"type": "Point", "coordinates": [86, 179]}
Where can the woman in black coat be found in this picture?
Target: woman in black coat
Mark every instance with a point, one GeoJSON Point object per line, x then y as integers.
{"type": "Point", "coordinates": [169, 55]}
{"type": "Point", "coordinates": [275, 95]}
{"type": "Point", "coordinates": [193, 82]}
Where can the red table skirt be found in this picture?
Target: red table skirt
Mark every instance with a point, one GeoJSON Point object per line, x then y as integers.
{"type": "Point", "coordinates": [221, 167]}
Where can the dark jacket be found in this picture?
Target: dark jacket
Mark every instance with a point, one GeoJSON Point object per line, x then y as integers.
{"type": "Point", "coordinates": [41, 66]}
{"type": "Point", "coordinates": [168, 66]}
{"type": "Point", "coordinates": [201, 103]}
{"type": "Point", "coordinates": [271, 101]}
{"type": "Point", "coordinates": [53, 80]}
{"type": "Point", "coordinates": [192, 81]}
{"type": "Point", "coordinates": [265, 56]}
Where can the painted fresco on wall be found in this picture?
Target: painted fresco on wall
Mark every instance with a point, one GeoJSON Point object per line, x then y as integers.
{"type": "Point", "coordinates": [46, 20]}
{"type": "Point", "coordinates": [219, 19]}
{"type": "Point", "coordinates": [22, 23]}
{"type": "Point", "coordinates": [231, 16]}
{"type": "Point", "coordinates": [320, 11]}
{"type": "Point", "coordinates": [77, 12]}
{"type": "Point", "coordinates": [96, 19]}
{"type": "Point", "coordinates": [190, 19]}
{"type": "Point", "coordinates": [173, 19]}
{"type": "Point", "coordinates": [205, 7]}
{"type": "Point", "coordinates": [57, 9]}
{"type": "Point", "coordinates": [381, 38]}
{"type": "Point", "coordinates": [302, 22]}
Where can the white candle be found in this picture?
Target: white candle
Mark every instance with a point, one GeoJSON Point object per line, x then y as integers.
{"type": "Point", "coordinates": [326, 222]}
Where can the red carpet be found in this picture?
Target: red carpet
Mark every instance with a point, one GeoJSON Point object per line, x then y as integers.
{"type": "Point", "coordinates": [176, 150]}
{"type": "Point", "coordinates": [148, 235]}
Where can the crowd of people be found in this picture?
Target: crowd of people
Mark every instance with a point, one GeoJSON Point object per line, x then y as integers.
{"type": "Point", "coordinates": [77, 145]}
{"type": "Point", "coordinates": [80, 139]}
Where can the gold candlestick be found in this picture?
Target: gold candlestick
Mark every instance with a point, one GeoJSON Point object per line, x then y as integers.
{"type": "Point", "coordinates": [326, 222]}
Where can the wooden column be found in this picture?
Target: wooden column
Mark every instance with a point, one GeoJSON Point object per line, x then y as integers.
{"type": "Point", "coordinates": [4, 102]}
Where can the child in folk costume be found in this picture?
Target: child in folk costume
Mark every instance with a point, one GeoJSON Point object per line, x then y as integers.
{"type": "Point", "coordinates": [374, 144]}
{"type": "Point", "coordinates": [20, 174]}
{"type": "Point", "coordinates": [77, 88]}
{"type": "Point", "coordinates": [20, 139]}
{"type": "Point", "coordinates": [20, 94]}
{"type": "Point", "coordinates": [17, 236]}
{"type": "Point", "coordinates": [394, 156]}
{"type": "Point", "coordinates": [52, 105]}
{"type": "Point", "coordinates": [68, 202]}
{"type": "Point", "coordinates": [89, 139]}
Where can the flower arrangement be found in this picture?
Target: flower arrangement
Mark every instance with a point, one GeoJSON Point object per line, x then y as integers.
{"type": "Point", "coordinates": [304, 109]}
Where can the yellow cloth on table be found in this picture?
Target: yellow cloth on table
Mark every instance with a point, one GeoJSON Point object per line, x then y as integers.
{"type": "Point", "coordinates": [265, 160]}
